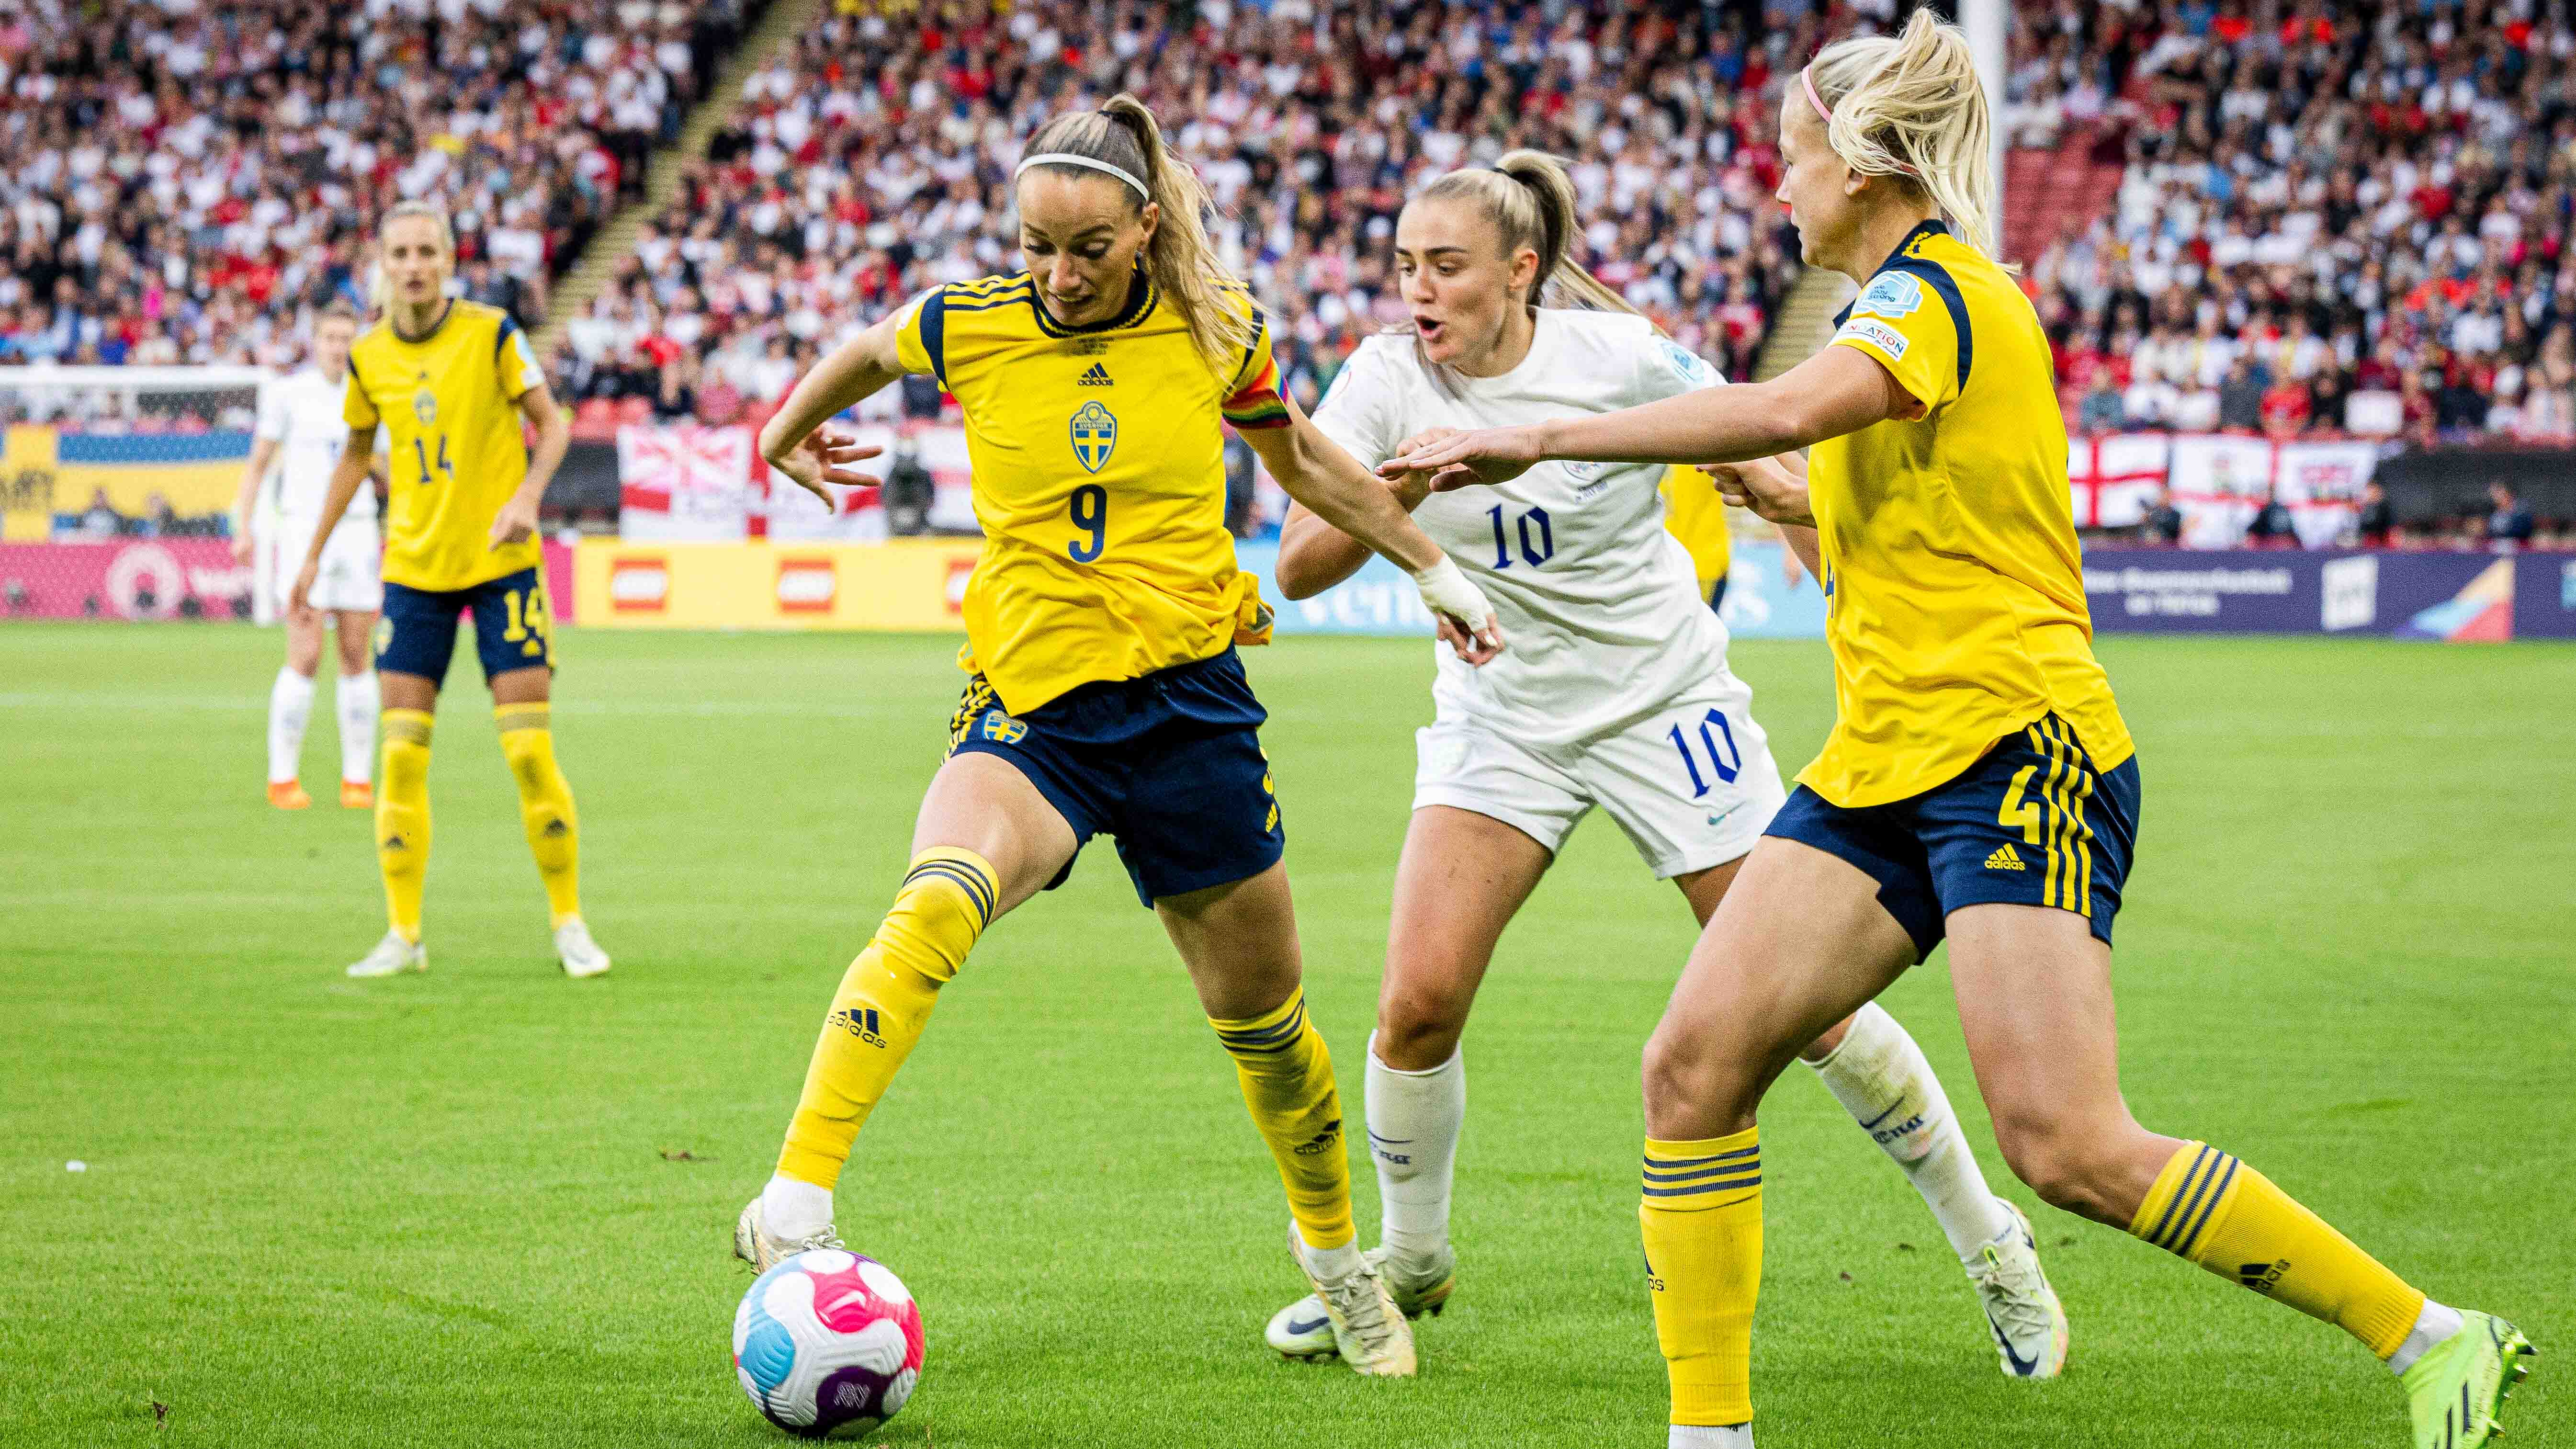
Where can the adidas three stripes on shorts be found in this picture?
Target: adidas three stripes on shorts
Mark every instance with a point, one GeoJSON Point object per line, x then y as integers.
{"type": "Point", "coordinates": [2033, 822]}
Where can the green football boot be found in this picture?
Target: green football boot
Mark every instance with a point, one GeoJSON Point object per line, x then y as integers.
{"type": "Point", "coordinates": [2455, 1389]}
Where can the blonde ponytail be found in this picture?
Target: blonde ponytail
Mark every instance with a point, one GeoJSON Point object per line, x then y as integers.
{"type": "Point", "coordinates": [1911, 107]}
{"type": "Point", "coordinates": [1529, 201]}
{"type": "Point", "coordinates": [1180, 260]}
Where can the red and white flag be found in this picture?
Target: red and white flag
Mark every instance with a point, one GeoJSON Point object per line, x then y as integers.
{"type": "Point", "coordinates": [684, 483]}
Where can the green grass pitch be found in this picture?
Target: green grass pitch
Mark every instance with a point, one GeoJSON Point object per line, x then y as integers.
{"type": "Point", "coordinates": [455, 1209]}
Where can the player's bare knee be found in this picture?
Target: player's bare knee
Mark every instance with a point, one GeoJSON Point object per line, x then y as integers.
{"type": "Point", "coordinates": [2071, 1163]}
{"type": "Point", "coordinates": [1417, 1028]}
{"type": "Point", "coordinates": [1693, 1089]}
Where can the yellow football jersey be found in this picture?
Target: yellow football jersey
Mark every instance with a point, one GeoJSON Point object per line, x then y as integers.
{"type": "Point", "coordinates": [449, 405]}
{"type": "Point", "coordinates": [1099, 481]}
{"type": "Point", "coordinates": [1695, 514]}
{"type": "Point", "coordinates": [1954, 589]}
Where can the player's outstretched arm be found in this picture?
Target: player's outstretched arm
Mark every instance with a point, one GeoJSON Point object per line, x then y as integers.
{"type": "Point", "coordinates": [346, 475]}
{"type": "Point", "coordinates": [1314, 555]}
{"type": "Point", "coordinates": [1839, 390]}
{"type": "Point", "coordinates": [263, 451]}
{"type": "Point", "coordinates": [792, 441]}
{"type": "Point", "coordinates": [1331, 483]}
{"type": "Point", "coordinates": [517, 519]}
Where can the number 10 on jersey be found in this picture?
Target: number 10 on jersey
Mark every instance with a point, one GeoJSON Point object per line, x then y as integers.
{"type": "Point", "coordinates": [1537, 537]}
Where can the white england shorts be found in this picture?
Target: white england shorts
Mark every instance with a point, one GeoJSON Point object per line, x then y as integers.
{"type": "Point", "coordinates": [351, 579]}
{"type": "Point", "coordinates": [1693, 784]}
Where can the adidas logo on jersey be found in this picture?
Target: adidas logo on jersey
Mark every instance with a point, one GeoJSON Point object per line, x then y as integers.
{"type": "Point", "coordinates": [2006, 858]}
{"type": "Point", "coordinates": [1098, 376]}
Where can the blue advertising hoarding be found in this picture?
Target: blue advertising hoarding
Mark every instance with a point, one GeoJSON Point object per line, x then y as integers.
{"type": "Point", "coordinates": [1379, 599]}
{"type": "Point", "coordinates": [2457, 597]}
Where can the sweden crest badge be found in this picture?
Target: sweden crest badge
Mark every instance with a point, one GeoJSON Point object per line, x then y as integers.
{"type": "Point", "coordinates": [1095, 435]}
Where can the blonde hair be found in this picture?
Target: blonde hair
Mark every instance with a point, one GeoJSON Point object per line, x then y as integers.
{"type": "Point", "coordinates": [379, 290]}
{"type": "Point", "coordinates": [1910, 106]}
{"type": "Point", "coordinates": [1180, 261]}
{"type": "Point", "coordinates": [1529, 201]}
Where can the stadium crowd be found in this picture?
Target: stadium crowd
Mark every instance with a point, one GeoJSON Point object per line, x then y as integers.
{"type": "Point", "coordinates": [873, 161]}
{"type": "Point", "coordinates": [2335, 216]}
{"type": "Point", "coordinates": [185, 182]}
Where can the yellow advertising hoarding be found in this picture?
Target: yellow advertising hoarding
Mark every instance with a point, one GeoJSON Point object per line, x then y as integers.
{"type": "Point", "coordinates": [902, 584]}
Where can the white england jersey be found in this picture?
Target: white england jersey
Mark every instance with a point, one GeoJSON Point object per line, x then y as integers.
{"type": "Point", "coordinates": [1600, 608]}
{"type": "Point", "coordinates": [301, 414]}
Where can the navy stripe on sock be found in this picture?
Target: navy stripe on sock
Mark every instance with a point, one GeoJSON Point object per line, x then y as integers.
{"type": "Point", "coordinates": [1730, 1183]}
{"type": "Point", "coordinates": [977, 885]}
{"type": "Point", "coordinates": [2198, 1195]}
{"type": "Point", "coordinates": [2156, 1234]}
{"type": "Point", "coordinates": [1701, 1172]}
{"type": "Point", "coordinates": [2191, 1235]}
{"type": "Point", "coordinates": [1671, 1162]}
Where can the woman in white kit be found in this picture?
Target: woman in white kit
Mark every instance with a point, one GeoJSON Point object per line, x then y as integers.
{"type": "Point", "coordinates": [300, 433]}
{"type": "Point", "coordinates": [1616, 694]}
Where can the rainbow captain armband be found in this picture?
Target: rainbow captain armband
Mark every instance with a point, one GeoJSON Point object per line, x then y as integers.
{"type": "Point", "coordinates": [1258, 404]}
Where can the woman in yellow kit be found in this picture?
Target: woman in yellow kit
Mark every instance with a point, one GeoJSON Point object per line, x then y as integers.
{"type": "Point", "coordinates": [1106, 696]}
{"type": "Point", "coordinates": [451, 382]}
{"type": "Point", "coordinates": [1978, 782]}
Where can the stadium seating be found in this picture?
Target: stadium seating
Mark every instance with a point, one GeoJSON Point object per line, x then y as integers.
{"type": "Point", "coordinates": [2365, 205]}
{"type": "Point", "coordinates": [185, 182]}
{"type": "Point", "coordinates": [872, 158]}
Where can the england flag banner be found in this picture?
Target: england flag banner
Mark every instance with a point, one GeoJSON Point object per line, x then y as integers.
{"type": "Point", "coordinates": [684, 484]}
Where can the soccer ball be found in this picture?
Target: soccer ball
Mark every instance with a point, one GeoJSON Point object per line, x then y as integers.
{"type": "Point", "coordinates": [828, 1343]}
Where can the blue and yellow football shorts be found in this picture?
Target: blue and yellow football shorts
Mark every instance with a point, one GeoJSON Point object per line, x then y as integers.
{"type": "Point", "coordinates": [2032, 823]}
{"type": "Point", "coordinates": [513, 627]}
{"type": "Point", "coordinates": [1170, 764]}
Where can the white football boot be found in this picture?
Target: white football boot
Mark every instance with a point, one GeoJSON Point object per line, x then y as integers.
{"type": "Point", "coordinates": [753, 1243]}
{"type": "Point", "coordinates": [2028, 1322]}
{"type": "Point", "coordinates": [581, 955]}
{"type": "Point", "coordinates": [393, 956]}
{"type": "Point", "coordinates": [1304, 1330]}
{"type": "Point", "coordinates": [1372, 1336]}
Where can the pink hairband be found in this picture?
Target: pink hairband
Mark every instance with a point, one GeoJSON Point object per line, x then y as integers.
{"type": "Point", "coordinates": [1825, 113]}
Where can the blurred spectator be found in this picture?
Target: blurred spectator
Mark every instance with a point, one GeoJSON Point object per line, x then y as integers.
{"type": "Point", "coordinates": [2376, 523]}
{"type": "Point", "coordinates": [1241, 495]}
{"type": "Point", "coordinates": [873, 158]}
{"type": "Point", "coordinates": [2509, 525]}
{"type": "Point", "coordinates": [2271, 526]}
{"type": "Point", "coordinates": [188, 183]}
{"type": "Point", "coordinates": [100, 519]}
{"type": "Point", "coordinates": [2101, 411]}
{"type": "Point", "coordinates": [2240, 396]}
{"type": "Point", "coordinates": [2354, 193]}
{"type": "Point", "coordinates": [2162, 525]}
{"type": "Point", "coordinates": [909, 489]}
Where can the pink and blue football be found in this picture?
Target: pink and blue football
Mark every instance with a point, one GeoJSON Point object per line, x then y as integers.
{"type": "Point", "coordinates": [828, 1343]}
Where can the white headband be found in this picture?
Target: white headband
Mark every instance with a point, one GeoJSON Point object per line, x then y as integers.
{"type": "Point", "coordinates": [1064, 158]}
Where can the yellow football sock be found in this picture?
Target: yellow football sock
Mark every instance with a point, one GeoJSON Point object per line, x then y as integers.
{"type": "Point", "coordinates": [545, 803]}
{"type": "Point", "coordinates": [1287, 1077]}
{"type": "Point", "coordinates": [402, 817]}
{"type": "Point", "coordinates": [946, 901]}
{"type": "Point", "coordinates": [2230, 1219]}
{"type": "Point", "coordinates": [1702, 1220]}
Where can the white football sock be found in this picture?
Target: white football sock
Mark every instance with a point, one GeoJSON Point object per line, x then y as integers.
{"type": "Point", "coordinates": [1881, 1078]}
{"type": "Point", "coordinates": [357, 699]}
{"type": "Point", "coordinates": [1709, 1436]}
{"type": "Point", "coordinates": [1334, 1264]}
{"type": "Point", "coordinates": [794, 1209]}
{"type": "Point", "coordinates": [1413, 1124]}
{"type": "Point", "coordinates": [290, 704]}
{"type": "Point", "coordinates": [2432, 1325]}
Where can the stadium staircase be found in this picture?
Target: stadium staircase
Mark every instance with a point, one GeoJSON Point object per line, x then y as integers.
{"type": "Point", "coordinates": [615, 241]}
{"type": "Point", "coordinates": [1806, 320]}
